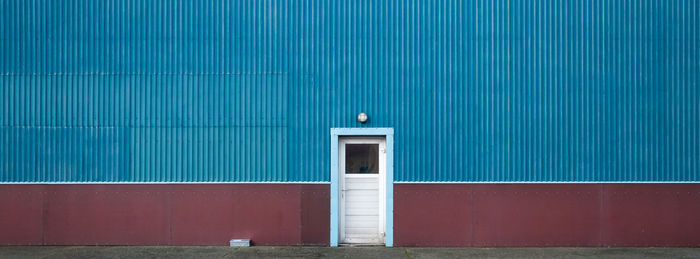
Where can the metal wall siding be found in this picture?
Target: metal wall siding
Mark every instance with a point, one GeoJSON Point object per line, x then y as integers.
{"type": "Point", "coordinates": [190, 91]}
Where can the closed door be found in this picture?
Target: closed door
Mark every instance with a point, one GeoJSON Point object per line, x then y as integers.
{"type": "Point", "coordinates": [362, 176]}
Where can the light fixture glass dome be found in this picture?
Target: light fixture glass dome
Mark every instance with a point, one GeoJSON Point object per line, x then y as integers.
{"type": "Point", "coordinates": [362, 117]}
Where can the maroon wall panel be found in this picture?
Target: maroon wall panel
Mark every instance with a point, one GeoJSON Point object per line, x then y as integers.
{"type": "Point", "coordinates": [203, 215]}
{"type": "Point", "coordinates": [315, 214]}
{"type": "Point", "coordinates": [432, 215]}
{"type": "Point", "coordinates": [160, 214]}
{"type": "Point", "coordinates": [292, 214]}
{"type": "Point", "coordinates": [212, 214]}
{"type": "Point", "coordinates": [536, 215]}
{"type": "Point", "coordinates": [652, 215]}
{"type": "Point", "coordinates": [106, 215]}
{"type": "Point", "coordinates": [547, 214]}
{"type": "Point", "coordinates": [21, 211]}
{"type": "Point", "coordinates": [270, 216]}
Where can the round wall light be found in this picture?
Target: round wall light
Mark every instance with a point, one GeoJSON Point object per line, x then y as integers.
{"type": "Point", "coordinates": [362, 117]}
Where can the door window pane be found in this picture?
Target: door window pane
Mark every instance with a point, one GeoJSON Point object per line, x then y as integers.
{"type": "Point", "coordinates": [361, 158]}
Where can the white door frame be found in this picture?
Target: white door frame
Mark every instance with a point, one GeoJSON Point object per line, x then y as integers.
{"type": "Point", "coordinates": [381, 181]}
{"type": "Point", "coordinates": [388, 134]}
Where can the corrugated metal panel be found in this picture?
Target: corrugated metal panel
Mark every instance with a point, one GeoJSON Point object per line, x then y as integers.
{"type": "Point", "coordinates": [247, 91]}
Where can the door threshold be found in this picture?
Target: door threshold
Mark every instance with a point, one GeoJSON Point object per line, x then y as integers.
{"type": "Point", "coordinates": [361, 244]}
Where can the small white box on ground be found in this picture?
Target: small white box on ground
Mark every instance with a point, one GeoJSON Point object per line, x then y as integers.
{"type": "Point", "coordinates": [239, 242]}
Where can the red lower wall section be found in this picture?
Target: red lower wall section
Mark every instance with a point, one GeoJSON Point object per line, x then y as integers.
{"type": "Point", "coordinates": [21, 214]}
{"type": "Point", "coordinates": [158, 214]}
{"type": "Point", "coordinates": [653, 215]}
{"type": "Point", "coordinates": [547, 215]}
{"type": "Point", "coordinates": [299, 214]}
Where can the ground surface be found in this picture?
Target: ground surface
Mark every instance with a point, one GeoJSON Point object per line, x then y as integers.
{"type": "Point", "coordinates": [342, 252]}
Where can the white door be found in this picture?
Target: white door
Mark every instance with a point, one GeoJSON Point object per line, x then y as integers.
{"type": "Point", "coordinates": [362, 163]}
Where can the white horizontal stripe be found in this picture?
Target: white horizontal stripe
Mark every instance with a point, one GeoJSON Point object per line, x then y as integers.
{"type": "Point", "coordinates": [396, 182]}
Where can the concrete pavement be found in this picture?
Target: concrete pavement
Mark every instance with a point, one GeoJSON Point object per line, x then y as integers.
{"type": "Point", "coordinates": [341, 252]}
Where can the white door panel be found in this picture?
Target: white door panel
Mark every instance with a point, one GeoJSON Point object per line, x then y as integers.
{"type": "Point", "coordinates": [354, 203]}
{"type": "Point", "coordinates": [352, 184]}
{"type": "Point", "coordinates": [367, 231]}
{"type": "Point", "coordinates": [354, 196]}
{"type": "Point", "coordinates": [373, 224]}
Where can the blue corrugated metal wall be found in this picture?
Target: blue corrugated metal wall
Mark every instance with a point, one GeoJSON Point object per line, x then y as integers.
{"type": "Point", "coordinates": [247, 90]}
